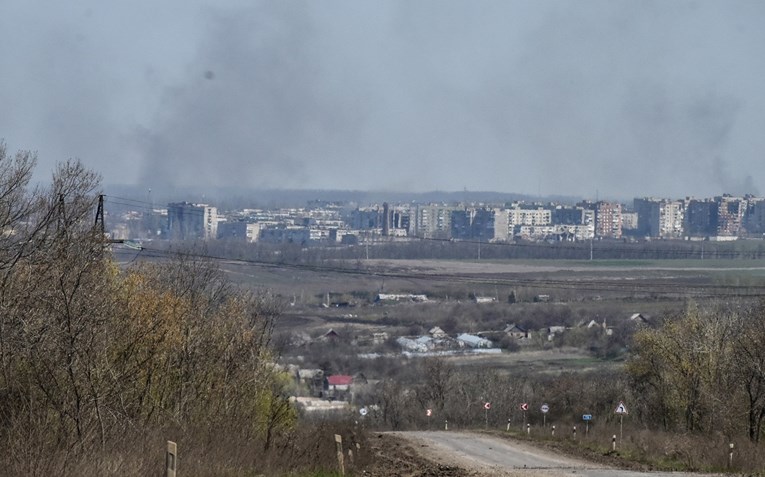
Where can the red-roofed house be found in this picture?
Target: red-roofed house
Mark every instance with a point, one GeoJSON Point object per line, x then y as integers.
{"type": "Point", "coordinates": [339, 382]}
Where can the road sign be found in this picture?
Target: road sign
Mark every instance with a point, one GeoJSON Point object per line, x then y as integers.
{"type": "Point", "coordinates": [545, 408]}
{"type": "Point", "coordinates": [587, 417]}
{"type": "Point", "coordinates": [487, 406]}
{"type": "Point", "coordinates": [429, 412]}
{"type": "Point", "coordinates": [524, 406]}
{"type": "Point", "coordinates": [363, 411]}
{"type": "Point", "coordinates": [621, 408]}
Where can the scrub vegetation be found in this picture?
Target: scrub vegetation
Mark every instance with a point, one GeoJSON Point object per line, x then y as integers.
{"type": "Point", "coordinates": [99, 366]}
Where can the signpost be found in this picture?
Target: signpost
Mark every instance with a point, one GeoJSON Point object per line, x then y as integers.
{"type": "Point", "coordinates": [587, 418]}
{"type": "Point", "coordinates": [621, 410]}
{"type": "Point", "coordinates": [545, 409]}
{"type": "Point", "coordinates": [524, 407]}
{"type": "Point", "coordinates": [428, 412]}
{"type": "Point", "coordinates": [486, 407]}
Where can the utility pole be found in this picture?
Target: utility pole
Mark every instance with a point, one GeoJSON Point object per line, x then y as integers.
{"type": "Point", "coordinates": [100, 223]}
{"type": "Point", "coordinates": [100, 214]}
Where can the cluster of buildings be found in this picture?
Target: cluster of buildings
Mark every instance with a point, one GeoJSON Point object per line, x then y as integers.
{"type": "Point", "coordinates": [719, 218]}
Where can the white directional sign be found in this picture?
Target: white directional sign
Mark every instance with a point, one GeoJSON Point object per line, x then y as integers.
{"type": "Point", "coordinates": [487, 406]}
{"type": "Point", "coordinates": [621, 408]}
{"type": "Point", "coordinates": [545, 408]}
{"type": "Point", "coordinates": [429, 412]}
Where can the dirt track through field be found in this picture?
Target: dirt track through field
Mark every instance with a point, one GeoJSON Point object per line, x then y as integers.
{"type": "Point", "coordinates": [492, 456]}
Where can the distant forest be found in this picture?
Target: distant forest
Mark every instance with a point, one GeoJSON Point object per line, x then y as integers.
{"type": "Point", "coordinates": [229, 198]}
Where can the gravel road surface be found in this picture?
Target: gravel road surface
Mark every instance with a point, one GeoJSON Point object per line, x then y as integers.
{"type": "Point", "coordinates": [491, 456]}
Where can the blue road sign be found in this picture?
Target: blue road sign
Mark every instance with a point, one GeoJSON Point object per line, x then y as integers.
{"type": "Point", "coordinates": [587, 417]}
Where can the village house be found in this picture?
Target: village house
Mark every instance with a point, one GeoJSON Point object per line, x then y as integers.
{"type": "Point", "coordinates": [639, 319]}
{"type": "Point", "coordinates": [437, 333]}
{"type": "Point", "coordinates": [516, 331]}
{"type": "Point", "coordinates": [338, 385]}
{"type": "Point", "coordinates": [471, 341]}
{"type": "Point", "coordinates": [313, 379]}
{"type": "Point", "coordinates": [554, 330]}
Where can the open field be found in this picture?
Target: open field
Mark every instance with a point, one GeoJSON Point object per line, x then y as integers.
{"type": "Point", "coordinates": [552, 361]}
{"type": "Point", "coordinates": [439, 277]}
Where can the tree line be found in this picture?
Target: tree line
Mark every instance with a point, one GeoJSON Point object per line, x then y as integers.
{"type": "Point", "coordinates": [703, 370]}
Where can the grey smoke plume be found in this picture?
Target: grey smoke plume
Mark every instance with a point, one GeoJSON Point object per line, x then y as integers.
{"type": "Point", "coordinates": [558, 97]}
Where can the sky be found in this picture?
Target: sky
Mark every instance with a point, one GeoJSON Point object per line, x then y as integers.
{"type": "Point", "coordinates": [583, 98]}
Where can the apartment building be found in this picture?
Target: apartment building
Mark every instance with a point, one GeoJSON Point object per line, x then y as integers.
{"type": "Point", "coordinates": [433, 221]}
{"type": "Point", "coordinates": [730, 215]}
{"type": "Point", "coordinates": [661, 218]}
{"type": "Point", "coordinates": [186, 221]}
{"type": "Point", "coordinates": [754, 220]}
{"type": "Point", "coordinates": [239, 231]}
{"type": "Point", "coordinates": [484, 224]}
{"type": "Point", "coordinates": [526, 216]}
{"type": "Point", "coordinates": [608, 219]}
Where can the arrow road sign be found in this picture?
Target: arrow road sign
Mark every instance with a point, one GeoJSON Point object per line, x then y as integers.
{"type": "Point", "coordinates": [429, 412]}
{"type": "Point", "coordinates": [487, 406]}
{"type": "Point", "coordinates": [545, 408]}
{"type": "Point", "coordinates": [524, 406]}
{"type": "Point", "coordinates": [621, 408]}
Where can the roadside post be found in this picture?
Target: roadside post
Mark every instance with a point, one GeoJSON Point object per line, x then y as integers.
{"type": "Point", "coordinates": [730, 455]}
{"type": "Point", "coordinates": [340, 460]}
{"type": "Point", "coordinates": [446, 424]}
{"type": "Point", "coordinates": [528, 429]}
{"type": "Point", "coordinates": [508, 424]}
{"type": "Point", "coordinates": [171, 459]}
{"type": "Point", "coordinates": [621, 410]}
{"type": "Point", "coordinates": [574, 432]}
{"type": "Point", "coordinates": [553, 431]}
{"type": "Point", "coordinates": [613, 443]}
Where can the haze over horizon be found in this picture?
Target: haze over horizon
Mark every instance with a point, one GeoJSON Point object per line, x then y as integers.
{"type": "Point", "coordinates": [546, 97]}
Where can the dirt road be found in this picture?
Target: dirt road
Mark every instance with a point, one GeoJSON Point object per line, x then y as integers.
{"type": "Point", "coordinates": [491, 456]}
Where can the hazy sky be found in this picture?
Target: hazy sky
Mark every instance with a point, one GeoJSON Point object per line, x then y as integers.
{"type": "Point", "coordinates": [628, 98]}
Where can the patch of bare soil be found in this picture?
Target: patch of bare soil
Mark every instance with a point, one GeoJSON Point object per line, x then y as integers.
{"type": "Point", "coordinates": [394, 457]}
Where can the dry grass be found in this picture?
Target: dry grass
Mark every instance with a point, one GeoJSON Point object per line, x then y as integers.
{"type": "Point", "coordinates": [308, 449]}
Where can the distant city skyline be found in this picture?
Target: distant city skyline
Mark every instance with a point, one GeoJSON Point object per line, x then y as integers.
{"type": "Point", "coordinates": [722, 218]}
{"type": "Point", "coordinates": [541, 98]}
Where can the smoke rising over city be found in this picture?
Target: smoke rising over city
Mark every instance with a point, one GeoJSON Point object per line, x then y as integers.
{"type": "Point", "coordinates": [552, 97]}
